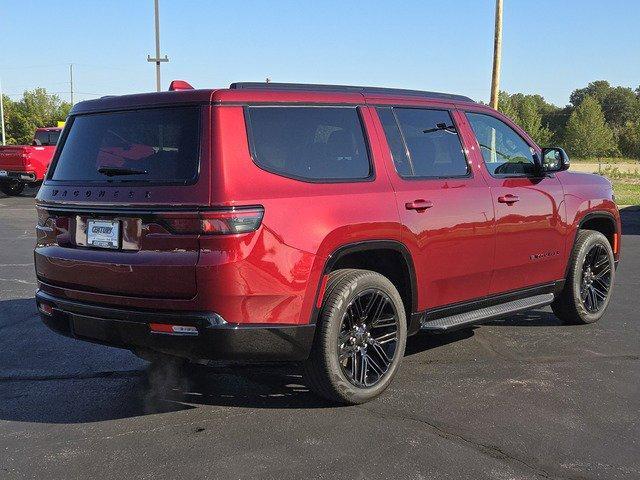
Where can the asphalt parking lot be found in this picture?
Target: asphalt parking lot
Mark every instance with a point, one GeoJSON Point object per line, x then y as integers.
{"type": "Point", "coordinates": [520, 398]}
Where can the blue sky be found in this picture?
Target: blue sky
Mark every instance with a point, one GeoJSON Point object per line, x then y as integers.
{"type": "Point", "coordinates": [550, 47]}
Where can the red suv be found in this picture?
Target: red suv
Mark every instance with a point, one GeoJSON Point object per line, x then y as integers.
{"type": "Point", "coordinates": [310, 223]}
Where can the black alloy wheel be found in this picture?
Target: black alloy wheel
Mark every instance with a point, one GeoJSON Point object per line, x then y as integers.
{"type": "Point", "coordinates": [360, 337]}
{"type": "Point", "coordinates": [596, 278]}
{"type": "Point", "coordinates": [368, 338]}
{"type": "Point", "coordinates": [590, 278]}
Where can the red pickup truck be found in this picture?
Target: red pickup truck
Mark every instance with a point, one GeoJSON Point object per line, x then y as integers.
{"type": "Point", "coordinates": [22, 165]}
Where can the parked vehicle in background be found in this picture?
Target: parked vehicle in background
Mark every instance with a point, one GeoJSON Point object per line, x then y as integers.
{"type": "Point", "coordinates": [26, 165]}
{"type": "Point", "coordinates": [308, 223]}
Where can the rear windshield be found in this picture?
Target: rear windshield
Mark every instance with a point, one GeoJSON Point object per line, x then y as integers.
{"type": "Point", "coordinates": [154, 145]}
{"type": "Point", "coordinates": [46, 138]}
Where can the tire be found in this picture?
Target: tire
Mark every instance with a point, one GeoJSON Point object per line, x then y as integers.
{"type": "Point", "coordinates": [347, 343]}
{"type": "Point", "coordinates": [12, 188]}
{"type": "Point", "coordinates": [590, 280]}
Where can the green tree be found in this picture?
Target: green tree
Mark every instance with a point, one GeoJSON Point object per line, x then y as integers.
{"type": "Point", "coordinates": [620, 106]}
{"type": "Point", "coordinates": [597, 90]}
{"type": "Point", "coordinates": [526, 111]}
{"type": "Point", "coordinates": [531, 121]}
{"type": "Point", "coordinates": [587, 134]}
{"type": "Point", "coordinates": [506, 106]}
{"type": "Point", "coordinates": [629, 139]}
{"type": "Point", "coordinates": [36, 109]}
{"type": "Point", "coordinates": [557, 123]}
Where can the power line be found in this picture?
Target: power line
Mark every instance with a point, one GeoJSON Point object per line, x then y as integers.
{"type": "Point", "coordinates": [105, 67]}
{"type": "Point", "coordinates": [31, 66]}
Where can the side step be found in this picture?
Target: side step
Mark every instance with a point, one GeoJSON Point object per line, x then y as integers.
{"type": "Point", "coordinates": [463, 319]}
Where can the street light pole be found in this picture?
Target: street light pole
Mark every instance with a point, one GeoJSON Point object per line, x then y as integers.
{"type": "Point", "coordinates": [157, 58]}
{"type": "Point", "coordinates": [497, 56]}
{"type": "Point", "coordinates": [2, 114]}
{"type": "Point", "coordinates": [71, 82]}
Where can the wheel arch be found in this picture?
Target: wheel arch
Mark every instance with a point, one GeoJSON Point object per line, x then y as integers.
{"type": "Point", "coordinates": [387, 253]}
{"type": "Point", "coordinates": [603, 222]}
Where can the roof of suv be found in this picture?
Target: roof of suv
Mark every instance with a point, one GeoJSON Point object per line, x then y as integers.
{"type": "Point", "coordinates": [261, 92]}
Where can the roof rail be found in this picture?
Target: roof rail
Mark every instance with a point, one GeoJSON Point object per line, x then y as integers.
{"type": "Point", "coordinates": [345, 89]}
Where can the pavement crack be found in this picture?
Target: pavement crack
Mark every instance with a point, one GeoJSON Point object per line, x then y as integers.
{"type": "Point", "coordinates": [79, 376]}
{"type": "Point", "coordinates": [492, 451]}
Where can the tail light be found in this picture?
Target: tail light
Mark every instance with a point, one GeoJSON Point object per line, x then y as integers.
{"type": "Point", "coordinates": [45, 219]}
{"type": "Point", "coordinates": [219, 222]}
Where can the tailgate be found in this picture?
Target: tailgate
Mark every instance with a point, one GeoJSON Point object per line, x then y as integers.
{"type": "Point", "coordinates": [117, 177]}
{"type": "Point", "coordinates": [149, 260]}
{"type": "Point", "coordinates": [13, 158]}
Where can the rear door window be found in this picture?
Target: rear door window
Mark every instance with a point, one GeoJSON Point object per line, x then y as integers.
{"type": "Point", "coordinates": [158, 145]}
{"type": "Point", "coordinates": [394, 140]}
{"type": "Point", "coordinates": [309, 143]}
{"type": "Point", "coordinates": [432, 142]}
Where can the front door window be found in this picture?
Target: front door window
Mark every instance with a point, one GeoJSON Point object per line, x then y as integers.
{"type": "Point", "coordinates": [505, 153]}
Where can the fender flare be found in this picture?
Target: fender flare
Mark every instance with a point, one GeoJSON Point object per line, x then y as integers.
{"type": "Point", "coordinates": [362, 246]}
{"type": "Point", "coordinates": [585, 218]}
{"type": "Point", "coordinates": [600, 214]}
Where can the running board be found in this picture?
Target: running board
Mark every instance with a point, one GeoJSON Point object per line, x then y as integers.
{"type": "Point", "coordinates": [468, 318]}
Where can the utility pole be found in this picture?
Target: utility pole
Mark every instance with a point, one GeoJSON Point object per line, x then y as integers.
{"type": "Point", "coordinates": [71, 81]}
{"type": "Point", "coordinates": [157, 58]}
{"type": "Point", "coordinates": [2, 114]}
{"type": "Point", "coordinates": [497, 56]}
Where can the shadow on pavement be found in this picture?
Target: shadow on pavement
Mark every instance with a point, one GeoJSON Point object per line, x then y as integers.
{"type": "Point", "coordinates": [28, 192]}
{"type": "Point", "coordinates": [630, 217]}
{"type": "Point", "coordinates": [58, 393]}
{"type": "Point", "coordinates": [532, 318]}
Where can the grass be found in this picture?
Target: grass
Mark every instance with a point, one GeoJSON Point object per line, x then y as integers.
{"type": "Point", "coordinates": [626, 185]}
{"type": "Point", "coordinates": [626, 193]}
{"type": "Point", "coordinates": [606, 160]}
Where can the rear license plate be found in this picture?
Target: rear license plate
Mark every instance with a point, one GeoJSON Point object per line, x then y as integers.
{"type": "Point", "coordinates": [4, 173]}
{"type": "Point", "coordinates": [103, 233]}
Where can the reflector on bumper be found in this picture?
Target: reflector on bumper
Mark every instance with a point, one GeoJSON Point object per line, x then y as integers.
{"type": "Point", "coordinates": [173, 329]}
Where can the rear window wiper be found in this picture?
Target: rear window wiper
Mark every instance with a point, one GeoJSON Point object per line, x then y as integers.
{"type": "Point", "coordinates": [113, 171]}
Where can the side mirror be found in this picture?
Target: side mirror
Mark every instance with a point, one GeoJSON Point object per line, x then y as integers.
{"type": "Point", "coordinates": [554, 160]}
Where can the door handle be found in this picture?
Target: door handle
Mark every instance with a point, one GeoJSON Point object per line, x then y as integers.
{"type": "Point", "coordinates": [508, 198]}
{"type": "Point", "coordinates": [418, 205]}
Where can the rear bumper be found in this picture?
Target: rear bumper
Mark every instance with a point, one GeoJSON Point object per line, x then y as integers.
{"type": "Point", "coordinates": [22, 176]}
{"type": "Point", "coordinates": [215, 339]}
